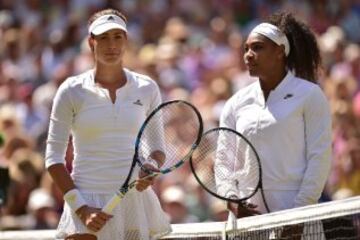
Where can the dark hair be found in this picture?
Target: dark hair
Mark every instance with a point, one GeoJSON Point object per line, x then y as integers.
{"type": "Point", "coordinates": [304, 57]}
{"type": "Point", "coordinates": [98, 14]}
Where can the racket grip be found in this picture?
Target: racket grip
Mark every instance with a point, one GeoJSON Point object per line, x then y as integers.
{"type": "Point", "coordinates": [112, 203]}
{"type": "Point", "coordinates": [232, 221]}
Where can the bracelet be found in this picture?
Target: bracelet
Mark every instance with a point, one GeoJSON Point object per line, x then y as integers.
{"type": "Point", "coordinates": [74, 199]}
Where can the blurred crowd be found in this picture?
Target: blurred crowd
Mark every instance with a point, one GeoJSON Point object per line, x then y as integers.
{"type": "Point", "coordinates": [193, 49]}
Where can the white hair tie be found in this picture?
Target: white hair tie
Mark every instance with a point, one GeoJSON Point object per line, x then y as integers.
{"type": "Point", "coordinates": [273, 33]}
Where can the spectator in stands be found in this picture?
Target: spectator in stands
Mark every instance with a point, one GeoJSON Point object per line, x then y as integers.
{"type": "Point", "coordinates": [41, 207]}
{"type": "Point", "coordinates": [25, 168]}
{"type": "Point", "coordinates": [174, 203]}
{"type": "Point", "coordinates": [350, 168]}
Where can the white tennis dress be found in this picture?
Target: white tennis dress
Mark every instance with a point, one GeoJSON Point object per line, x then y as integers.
{"type": "Point", "coordinates": [104, 134]}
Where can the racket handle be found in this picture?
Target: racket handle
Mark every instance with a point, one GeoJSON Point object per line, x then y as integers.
{"type": "Point", "coordinates": [232, 221]}
{"type": "Point", "coordinates": [112, 203]}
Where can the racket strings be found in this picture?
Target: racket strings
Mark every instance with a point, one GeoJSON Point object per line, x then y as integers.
{"type": "Point", "coordinates": [173, 130]}
{"type": "Point", "coordinates": [224, 163]}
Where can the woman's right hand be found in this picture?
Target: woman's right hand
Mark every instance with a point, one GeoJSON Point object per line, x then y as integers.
{"type": "Point", "coordinates": [243, 210]}
{"type": "Point", "coordinates": [144, 182]}
{"type": "Point", "coordinates": [93, 218]}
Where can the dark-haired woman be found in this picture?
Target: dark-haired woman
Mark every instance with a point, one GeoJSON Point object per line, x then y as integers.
{"type": "Point", "coordinates": [284, 114]}
{"type": "Point", "coordinates": [104, 109]}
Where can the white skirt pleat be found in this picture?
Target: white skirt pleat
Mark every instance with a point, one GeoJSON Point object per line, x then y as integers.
{"type": "Point", "coordinates": [138, 216]}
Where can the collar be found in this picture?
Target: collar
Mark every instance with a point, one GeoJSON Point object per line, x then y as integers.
{"type": "Point", "coordinates": [89, 82]}
{"type": "Point", "coordinates": [282, 86]}
{"type": "Point", "coordinates": [282, 89]}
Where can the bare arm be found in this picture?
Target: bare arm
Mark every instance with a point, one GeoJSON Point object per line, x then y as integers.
{"type": "Point", "coordinates": [92, 218]}
{"type": "Point", "coordinates": [61, 177]}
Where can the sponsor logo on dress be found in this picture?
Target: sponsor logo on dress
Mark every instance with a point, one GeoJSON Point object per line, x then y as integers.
{"type": "Point", "coordinates": [138, 102]}
{"type": "Point", "coordinates": [289, 95]}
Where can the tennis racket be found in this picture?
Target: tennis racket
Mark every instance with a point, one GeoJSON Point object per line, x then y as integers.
{"type": "Point", "coordinates": [227, 166]}
{"type": "Point", "coordinates": [167, 138]}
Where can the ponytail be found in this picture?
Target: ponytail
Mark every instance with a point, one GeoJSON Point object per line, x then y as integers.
{"type": "Point", "coordinates": [304, 58]}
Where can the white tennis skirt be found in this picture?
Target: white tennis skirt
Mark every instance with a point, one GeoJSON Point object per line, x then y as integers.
{"type": "Point", "coordinates": [138, 216]}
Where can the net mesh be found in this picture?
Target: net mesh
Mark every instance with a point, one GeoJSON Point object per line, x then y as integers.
{"type": "Point", "coordinates": [338, 220]}
{"type": "Point", "coordinates": [332, 220]}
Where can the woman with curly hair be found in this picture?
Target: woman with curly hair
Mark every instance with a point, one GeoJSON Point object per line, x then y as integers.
{"type": "Point", "coordinates": [285, 114]}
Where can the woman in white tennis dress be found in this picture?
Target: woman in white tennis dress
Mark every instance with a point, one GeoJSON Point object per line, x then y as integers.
{"type": "Point", "coordinates": [103, 109]}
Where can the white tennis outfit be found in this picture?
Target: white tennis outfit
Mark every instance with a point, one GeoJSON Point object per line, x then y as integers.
{"type": "Point", "coordinates": [104, 134]}
{"type": "Point", "coordinates": [291, 132]}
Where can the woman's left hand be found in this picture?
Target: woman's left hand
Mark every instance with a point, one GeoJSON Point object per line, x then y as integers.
{"type": "Point", "coordinates": [144, 182]}
{"type": "Point", "coordinates": [243, 210]}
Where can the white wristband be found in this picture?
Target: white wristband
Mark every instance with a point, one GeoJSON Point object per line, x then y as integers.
{"type": "Point", "coordinates": [74, 199]}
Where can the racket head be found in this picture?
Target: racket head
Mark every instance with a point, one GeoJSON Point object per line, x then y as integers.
{"type": "Point", "coordinates": [225, 162]}
{"type": "Point", "coordinates": [174, 130]}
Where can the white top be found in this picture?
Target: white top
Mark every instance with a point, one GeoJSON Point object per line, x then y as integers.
{"type": "Point", "coordinates": [291, 132]}
{"type": "Point", "coordinates": [103, 132]}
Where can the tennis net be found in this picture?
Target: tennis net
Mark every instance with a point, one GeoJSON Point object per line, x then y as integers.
{"type": "Point", "coordinates": [338, 220]}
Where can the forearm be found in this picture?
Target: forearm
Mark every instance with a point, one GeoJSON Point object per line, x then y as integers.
{"type": "Point", "coordinates": [61, 177]}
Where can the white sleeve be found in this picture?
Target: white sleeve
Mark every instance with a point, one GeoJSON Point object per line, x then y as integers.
{"type": "Point", "coordinates": [155, 98]}
{"type": "Point", "coordinates": [317, 119]}
{"type": "Point", "coordinates": [224, 169]}
{"type": "Point", "coordinates": [61, 118]}
{"type": "Point", "coordinates": [227, 118]}
{"type": "Point", "coordinates": [225, 182]}
{"type": "Point", "coordinates": [155, 127]}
